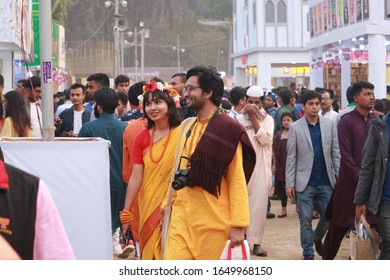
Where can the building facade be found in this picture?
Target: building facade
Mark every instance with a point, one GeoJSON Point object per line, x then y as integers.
{"type": "Point", "coordinates": [269, 43]}
{"type": "Point", "coordinates": [349, 41]}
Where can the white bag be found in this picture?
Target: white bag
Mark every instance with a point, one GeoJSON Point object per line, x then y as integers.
{"type": "Point", "coordinates": [237, 253]}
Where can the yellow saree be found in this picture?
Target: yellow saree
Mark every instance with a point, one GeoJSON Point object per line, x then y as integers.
{"type": "Point", "coordinates": [156, 181]}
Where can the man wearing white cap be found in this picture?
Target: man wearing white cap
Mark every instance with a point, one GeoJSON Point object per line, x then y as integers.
{"type": "Point", "coordinates": [260, 128]}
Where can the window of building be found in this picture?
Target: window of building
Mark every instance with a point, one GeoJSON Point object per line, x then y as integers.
{"type": "Point", "coordinates": [282, 18]}
{"type": "Point", "coordinates": [269, 12]}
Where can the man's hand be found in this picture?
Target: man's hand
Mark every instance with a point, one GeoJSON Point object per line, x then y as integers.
{"type": "Point", "coordinates": [251, 111]}
{"type": "Point", "coordinates": [237, 235]}
{"type": "Point", "coordinates": [125, 229]}
{"type": "Point", "coordinates": [68, 134]}
{"type": "Point", "coordinates": [290, 192]}
{"type": "Point", "coordinates": [57, 121]}
{"type": "Point", "coordinates": [359, 211]}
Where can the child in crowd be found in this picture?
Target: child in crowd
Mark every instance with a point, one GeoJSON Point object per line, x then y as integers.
{"type": "Point", "coordinates": [279, 158]}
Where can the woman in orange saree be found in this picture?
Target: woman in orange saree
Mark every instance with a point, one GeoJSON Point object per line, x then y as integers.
{"type": "Point", "coordinates": [154, 153]}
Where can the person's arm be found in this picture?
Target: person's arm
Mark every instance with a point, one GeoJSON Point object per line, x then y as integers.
{"type": "Point", "coordinates": [265, 132]}
{"type": "Point", "coordinates": [367, 171]}
{"type": "Point", "coordinates": [251, 111]}
{"type": "Point", "coordinates": [291, 162]}
{"type": "Point", "coordinates": [51, 241]}
{"type": "Point", "coordinates": [136, 175]}
{"type": "Point", "coordinates": [133, 187]}
{"type": "Point", "coordinates": [6, 251]}
{"type": "Point", "coordinates": [335, 149]}
{"type": "Point", "coordinates": [238, 195]}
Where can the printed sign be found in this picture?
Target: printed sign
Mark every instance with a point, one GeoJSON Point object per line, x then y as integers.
{"type": "Point", "coordinates": [47, 72]}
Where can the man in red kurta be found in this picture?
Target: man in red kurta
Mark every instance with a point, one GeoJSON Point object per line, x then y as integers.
{"type": "Point", "coordinates": [352, 133]}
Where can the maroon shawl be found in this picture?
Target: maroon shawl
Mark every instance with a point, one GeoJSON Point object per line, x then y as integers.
{"type": "Point", "coordinates": [215, 151]}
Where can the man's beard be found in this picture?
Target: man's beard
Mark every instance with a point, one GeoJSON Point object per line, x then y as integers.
{"type": "Point", "coordinates": [96, 112]}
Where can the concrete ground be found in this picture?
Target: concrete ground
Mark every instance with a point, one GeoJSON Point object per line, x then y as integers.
{"type": "Point", "coordinates": [281, 236]}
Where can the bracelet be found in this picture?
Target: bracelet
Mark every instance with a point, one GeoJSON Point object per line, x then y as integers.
{"type": "Point", "coordinates": [125, 216]}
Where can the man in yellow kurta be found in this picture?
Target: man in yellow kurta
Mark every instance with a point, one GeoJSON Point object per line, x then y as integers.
{"type": "Point", "coordinates": [214, 207]}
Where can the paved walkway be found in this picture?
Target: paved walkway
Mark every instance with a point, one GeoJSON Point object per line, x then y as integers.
{"type": "Point", "coordinates": [281, 237]}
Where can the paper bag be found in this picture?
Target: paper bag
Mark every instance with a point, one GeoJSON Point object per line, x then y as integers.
{"type": "Point", "coordinates": [364, 242]}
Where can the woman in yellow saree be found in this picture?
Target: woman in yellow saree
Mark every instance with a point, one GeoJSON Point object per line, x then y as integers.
{"type": "Point", "coordinates": [153, 157]}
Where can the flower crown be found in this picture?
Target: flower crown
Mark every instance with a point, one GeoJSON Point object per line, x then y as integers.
{"type": "Point", "coordinates": [152, 86]}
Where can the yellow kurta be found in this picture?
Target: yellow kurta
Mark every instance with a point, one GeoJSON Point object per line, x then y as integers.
{"type": "Point", "coordinates": [9, 130]}
{"type": "Point", "coordinates": [201, 223]}
{"type": "Point", "coordinates": [156, 181]}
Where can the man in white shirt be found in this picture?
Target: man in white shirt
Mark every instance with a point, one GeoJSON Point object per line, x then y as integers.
{"type": "Point", "coordinates": [238, 100]}
{"type": "Point", "coordinates": [31, 91]}
{"type": "Point", "coordinates": [70, 121]}
{"type": "Point", "coordinates": [327, 111]}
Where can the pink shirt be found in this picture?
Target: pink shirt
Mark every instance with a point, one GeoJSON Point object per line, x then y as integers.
{"type": "Point", "coordinates": [51, 241]}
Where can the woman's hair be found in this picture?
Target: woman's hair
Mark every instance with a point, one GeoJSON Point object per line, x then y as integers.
{"type": "Point", "coordinates": [174, 119]}
{"type": "Point", "coordinates": [17, 110]}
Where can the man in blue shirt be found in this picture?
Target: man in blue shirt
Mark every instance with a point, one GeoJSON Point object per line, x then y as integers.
{"type": "Point", "coordinates": [312, 165]}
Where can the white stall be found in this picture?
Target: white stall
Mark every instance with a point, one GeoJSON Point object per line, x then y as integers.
{"type": "Point", "coordinates": [77, 175]}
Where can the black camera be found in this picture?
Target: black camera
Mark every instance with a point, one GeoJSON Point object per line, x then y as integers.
{"type": "Point", "coordinates": [181, 179]}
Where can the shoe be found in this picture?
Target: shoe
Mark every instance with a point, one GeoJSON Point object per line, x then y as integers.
{"type": "Point", "coordinates": [316, 215]}
{"type": "Point", "coordinates": [318, 246]}
{"type": "Point", "coordinates": [126, 252]}
{"type": "Point", "coordinates": [282, 215]}
{"type": "Point", "coordinates": [274, 197]}
{"type": "Point", "coordinates": [258, 251]}
{"type": "Point", "coordinates": [270, 215]}
{"type": "Point", "coordinates": [293, 200]}
{"type": "Point", "coordinates": [308, 258]}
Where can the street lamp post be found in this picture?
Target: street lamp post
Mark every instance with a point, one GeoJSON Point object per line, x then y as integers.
{"type": "Point", "coordinates": [178, 49]}
{"type": "Point", "coordinates": [117, 29]}
{"type": "Point", "coordinates": [116, 38]}
{"type": "Point", "coordinates": [144, 35]}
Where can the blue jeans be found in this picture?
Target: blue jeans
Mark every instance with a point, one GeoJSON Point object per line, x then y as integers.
{"type": "Point", "coordinates": [318, 196]}
{"type": "Point", "coordinates": [384, 227]}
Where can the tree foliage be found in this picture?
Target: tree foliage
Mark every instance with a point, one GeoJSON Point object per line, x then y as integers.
{"type": "Point", "coordinates": [165, 19]}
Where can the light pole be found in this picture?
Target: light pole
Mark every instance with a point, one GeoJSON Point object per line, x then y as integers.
{"type": "Point", "coordinates": [144, 34]}
{"type": "Point", "coordinates": [117, 29]}
{"type": "Point", "coordinates": [178, 49]}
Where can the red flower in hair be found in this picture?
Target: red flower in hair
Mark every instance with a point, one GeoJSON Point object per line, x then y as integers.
{"type": "Point", "coordinates": [151, 86]}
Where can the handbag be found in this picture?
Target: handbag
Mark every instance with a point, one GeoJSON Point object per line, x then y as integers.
{"type": "Point", "coordinates": [364, 241]}
{"type": "Point", "coordinates": [237, 253]}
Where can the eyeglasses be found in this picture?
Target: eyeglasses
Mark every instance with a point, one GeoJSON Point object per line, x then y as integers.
{"type": "Point", "coordinates": [189, 89]}
{"type": "Point", "coordinates": [325, 99]}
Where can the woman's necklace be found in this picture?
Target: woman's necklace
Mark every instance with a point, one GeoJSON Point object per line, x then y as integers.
{"type": "Point", "coordinates": [164, 147]}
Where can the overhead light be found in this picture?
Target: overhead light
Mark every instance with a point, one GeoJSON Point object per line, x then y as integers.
{"type": "Point", "coordinates": [353, 49]}
{"type": "Point", "coordinates": [108, 4]}
{"type": "Point", "coordinates": [361, 39]}
{"type": "Point", "coordinates": [339, 42]}
{"type": "Point", "coordinates": [353, 39]}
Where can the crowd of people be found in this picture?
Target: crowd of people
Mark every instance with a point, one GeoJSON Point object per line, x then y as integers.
{"type": "Point", "coordinates": [192, 164]}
